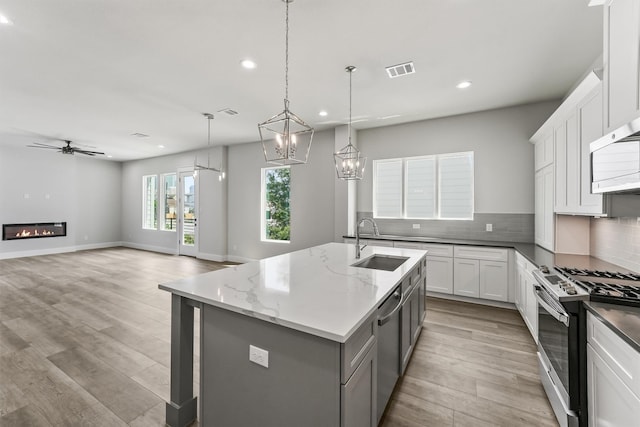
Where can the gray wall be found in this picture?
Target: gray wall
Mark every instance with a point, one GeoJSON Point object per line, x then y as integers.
{"type": "Point", "coordinates": [312, 200]}
{"type": "Point", "coordinates": [212, 195]}
{"type": "Point", "coordinates": [504, 174]}
{"type": "Point", "coordinates": [46, 186]}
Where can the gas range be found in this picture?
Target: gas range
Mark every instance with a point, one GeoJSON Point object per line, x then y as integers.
{"type": "Point", "coordinates": [621, 288]}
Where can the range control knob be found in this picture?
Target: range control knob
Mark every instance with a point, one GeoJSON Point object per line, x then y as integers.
{"type": "Point", "coordinates": [571, 290]}
{"type": "Point", "coordinates": [544, 269]}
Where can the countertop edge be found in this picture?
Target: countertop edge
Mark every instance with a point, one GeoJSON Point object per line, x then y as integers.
{"type": "Point", "coordinates": [597, 309]}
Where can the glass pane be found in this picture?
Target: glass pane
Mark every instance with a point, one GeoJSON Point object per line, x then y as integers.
{"type": "Point", "coordinates": [150, 202]}
{"type": "Point", "coordinates": [387, 185]}
{"type": "Point", "coordinates": [421, 188]}
{"type": "Point", "coordinates": [276, 204]}
{"type": "Point", "coordinates": [170, 220]}
{"type": "Point", "coordinates": [188, 209]}
{"type": "Point", "coordinates": [456, 186]}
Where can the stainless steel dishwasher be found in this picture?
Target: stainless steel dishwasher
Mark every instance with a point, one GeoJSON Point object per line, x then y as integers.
{"type": "Point", "coordinates": [388, 347]}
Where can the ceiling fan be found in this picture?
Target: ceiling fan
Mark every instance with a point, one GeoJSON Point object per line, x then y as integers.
{"type": "Point", "coordinates": [65, 149]}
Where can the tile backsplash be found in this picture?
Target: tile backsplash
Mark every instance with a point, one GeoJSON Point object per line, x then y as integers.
{"type": "Point", "coordinates": [616, 240]}
{"type": "Point", "coordinates": [506, 227]}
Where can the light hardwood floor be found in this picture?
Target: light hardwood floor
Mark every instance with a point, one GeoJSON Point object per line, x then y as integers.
{"type": "Point", "coordinates": [84, 341]}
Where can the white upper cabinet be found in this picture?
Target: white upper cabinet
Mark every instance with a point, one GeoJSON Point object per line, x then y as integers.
{"type": "Point", "coordinates": [544, 151]}
{"type": "Point", "coordinates": [589, 114]}
{"type": "Point", "coordinates": [621, 60]}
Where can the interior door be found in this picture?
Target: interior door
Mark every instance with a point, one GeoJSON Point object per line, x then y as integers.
{"type": "Point", "coordinates": [188, 220]}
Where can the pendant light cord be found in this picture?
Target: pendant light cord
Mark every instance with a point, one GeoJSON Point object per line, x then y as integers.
{"type": "Point", "coordinates": [286, 53]}
{"type": "Point", "coordinates": [350, 73]}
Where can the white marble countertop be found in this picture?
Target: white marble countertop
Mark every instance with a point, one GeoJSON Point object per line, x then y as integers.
{"type": "Point", "coordinates": [313, 290]}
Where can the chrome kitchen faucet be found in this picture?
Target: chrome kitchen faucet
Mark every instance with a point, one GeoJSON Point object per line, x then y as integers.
{"type": "Point", "coordinates": [376, 232]}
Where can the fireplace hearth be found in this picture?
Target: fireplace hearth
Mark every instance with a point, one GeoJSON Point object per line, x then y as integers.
{"type": "Point", "coordinates": [34, 230]}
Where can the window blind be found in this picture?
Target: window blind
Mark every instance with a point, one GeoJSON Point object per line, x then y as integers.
{"type": "Point", "coordinates": [387, 185]}
{"type": "Point", "coordinates": [420, 184]}
{"type": "Point", "coordinates": [456, 186]}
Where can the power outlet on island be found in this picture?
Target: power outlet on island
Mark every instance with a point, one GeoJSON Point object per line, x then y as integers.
{"type": "Point", "coordinates": [489, 227]}
{"type": "Point", "coordinates": [416, 226]}
{"type": "Point", "coordinates": [259, 356]}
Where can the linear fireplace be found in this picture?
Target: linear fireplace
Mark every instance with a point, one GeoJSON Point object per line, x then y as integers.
{"type": "Point", "coordinates": [33, 230]}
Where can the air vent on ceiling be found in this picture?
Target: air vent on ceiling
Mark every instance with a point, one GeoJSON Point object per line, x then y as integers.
{"type": "Point", "coordinates": [140, 135]}
{"type": "Point", "coordinates": [228, 111]}
{"type": "Point", "coordinates": [401, 70]}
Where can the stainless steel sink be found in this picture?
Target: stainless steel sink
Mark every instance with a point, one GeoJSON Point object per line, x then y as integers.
{"type": "Point", "coordinates": [381, 262]}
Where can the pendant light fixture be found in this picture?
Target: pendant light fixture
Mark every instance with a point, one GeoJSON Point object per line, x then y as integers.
{"type": "Point", "coordinates": [196, 166]}
{"type": "Point", "coordinates": [349, 164]}
{"type": "Point", "coordinates": [286, 138]}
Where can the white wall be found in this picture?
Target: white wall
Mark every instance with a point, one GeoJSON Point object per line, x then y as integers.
{"type": "Point", "coordinates": [312, 200]}
{"type": "Point", "coordinates": [504, 175]}
{"type": "Point", "coordinates": [46, 186]}
{"type": "Point", "coordinates": [212, 204]}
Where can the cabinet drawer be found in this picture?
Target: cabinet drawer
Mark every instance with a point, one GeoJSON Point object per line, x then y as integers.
{"type": "Point", "coordinates": [355, 349]}
{"type": "Point", "coordinates": [484, 253]}
{"type": "Point", "coordinates": [618, 355]}
{"type": "Point", "coordinates": [438, 250]}
{"type": "Point", "coordinates": [408, 245]}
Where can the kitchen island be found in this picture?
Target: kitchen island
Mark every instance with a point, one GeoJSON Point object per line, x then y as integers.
{"type": "Point", "coordinates": [308, 320]}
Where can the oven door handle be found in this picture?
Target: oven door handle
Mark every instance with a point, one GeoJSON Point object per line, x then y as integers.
{"type": "Point", "coordinates": [560, 317]}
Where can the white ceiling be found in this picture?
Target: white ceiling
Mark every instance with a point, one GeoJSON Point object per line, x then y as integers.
{"type": "Point", "coordinates": [97, 71]}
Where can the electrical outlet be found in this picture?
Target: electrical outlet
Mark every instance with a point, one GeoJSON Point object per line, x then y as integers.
{"type": "Point", "coordinates": [416, 226]}
{"type": "Point", "coordinates": [489, 227]}
{"type": "Point", "coordinates": [259, 356]}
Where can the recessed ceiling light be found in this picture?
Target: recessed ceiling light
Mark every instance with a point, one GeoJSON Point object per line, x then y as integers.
{"type": "Point", "coordinates": [323, 113]}
{"type": "Point", "coordinates": [248, 64]}
{"type": "Point", "coordinates": [109, 156]}
{"type": "Point", "coordinates": [4, 20]}
{"type": "Point", "coordinates": [464, 84]}
{"type": "Point", "coordinates": [161, 146]}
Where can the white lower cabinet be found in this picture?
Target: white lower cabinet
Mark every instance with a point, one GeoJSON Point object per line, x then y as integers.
{"type": "Point", "coordinates": [440, 274]}
{"type": "Point", "coordinates": [613, 378]}
{"type": "Point", "coordinates": [481, 272]}
{"type": "Point", "coordinates": [466, 273]}
{"type": "Point", "coordinates": [525, 297]}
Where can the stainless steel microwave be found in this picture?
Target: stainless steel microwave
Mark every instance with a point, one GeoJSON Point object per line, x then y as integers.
{"type": "Point", "coordinates": [615, 161]}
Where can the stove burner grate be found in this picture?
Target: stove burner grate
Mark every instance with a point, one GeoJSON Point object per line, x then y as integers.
{"type": "Point", "coordinates": [596, 273]}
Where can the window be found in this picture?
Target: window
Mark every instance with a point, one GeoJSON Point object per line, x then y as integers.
{"type": "Point", "coordinates": [168, 197]}
{"type": "Point", "coordinates": [426, 187]}
{"type": "Point", "coordinates": [276, 186]}
{"type": "Point", "coordinates": [150, 202]}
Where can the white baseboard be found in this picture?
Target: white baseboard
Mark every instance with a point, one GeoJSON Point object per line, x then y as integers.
{"type": "Point", "coordinates": [150, 248]}
{"type": "Point", "coordinates": [59, 250]}
{"type": "Point", "coordinates": [211, 257]}
{"type": "Point", "coordinates": [243, 260]}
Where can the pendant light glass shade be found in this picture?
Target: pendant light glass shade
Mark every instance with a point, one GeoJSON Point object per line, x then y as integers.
{"type": "Point", "coordinates": [349, 162]}
{"type": "Point", "coordinates": [286, 138]}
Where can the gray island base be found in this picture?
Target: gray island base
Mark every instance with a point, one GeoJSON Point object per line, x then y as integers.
{"type": "Point", "coordinates": [308, 320]}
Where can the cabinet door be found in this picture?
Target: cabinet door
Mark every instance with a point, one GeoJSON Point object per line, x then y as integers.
{"type": "Point", "coordinates": [621, 57]}
{"type": "Point", "coordinates": [531, 305]}
{"type": "Point", "coordinates": [359, 395]}
{"type": "Point", "coordinates": [406, 328]}
{"type": "Point", "coordinates": [611, 402]}
{"type": "Point", "coordinates": [494, 280]}
{"type": "Point", "coordinates": [544, 152]}
{"type": "Point", "coordinates": [440, 274]}
{"type": "Point", "coordinates": [416, 315]}
{"type": "Point", "coordinates": [466, 274]}
{"type": "Point", "coordinates": [590, 129]}
{"type": "Point", "coordinates": [544, 215]}
{"type": "Point", "coordinates": [561, 168]}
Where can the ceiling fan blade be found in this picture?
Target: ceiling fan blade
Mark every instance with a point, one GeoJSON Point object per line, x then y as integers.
{"type": "Point", "coordinates": [50, 147]}
{"type": "Point", "coordinates": [88, 153]}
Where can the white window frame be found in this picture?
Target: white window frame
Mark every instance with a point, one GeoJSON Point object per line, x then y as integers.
{"type": "Point", "coordinates": [437, 184]}
{"type": "Point", "coordinates": [162, 220]}
{"type": "Point", "coordinates": [146, 200]}
{"type": "Point", "coordinates": [263, 205]}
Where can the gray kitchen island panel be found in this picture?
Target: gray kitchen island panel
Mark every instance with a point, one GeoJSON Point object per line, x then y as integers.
{"type": "Point", "coordinates": [301, 386]}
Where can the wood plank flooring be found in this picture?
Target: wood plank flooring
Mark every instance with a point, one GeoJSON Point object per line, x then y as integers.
{"type": "Point", "coordinates": [84, 341]}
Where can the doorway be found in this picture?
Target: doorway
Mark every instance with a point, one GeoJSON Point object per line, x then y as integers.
{"type": "Point", "coordinates": [188, 220]}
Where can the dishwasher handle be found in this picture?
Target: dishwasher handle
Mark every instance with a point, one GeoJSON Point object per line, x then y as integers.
{"type": "Point", "coordinates": [398, 295]}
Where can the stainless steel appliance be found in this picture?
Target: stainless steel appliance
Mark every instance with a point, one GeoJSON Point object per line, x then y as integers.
{"type": "Point", "coordinates": [388, 348]}
{"type": "Point", "coordinates": [615, 161]}
{"type": "Point", "coordinates": [561, 329]}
